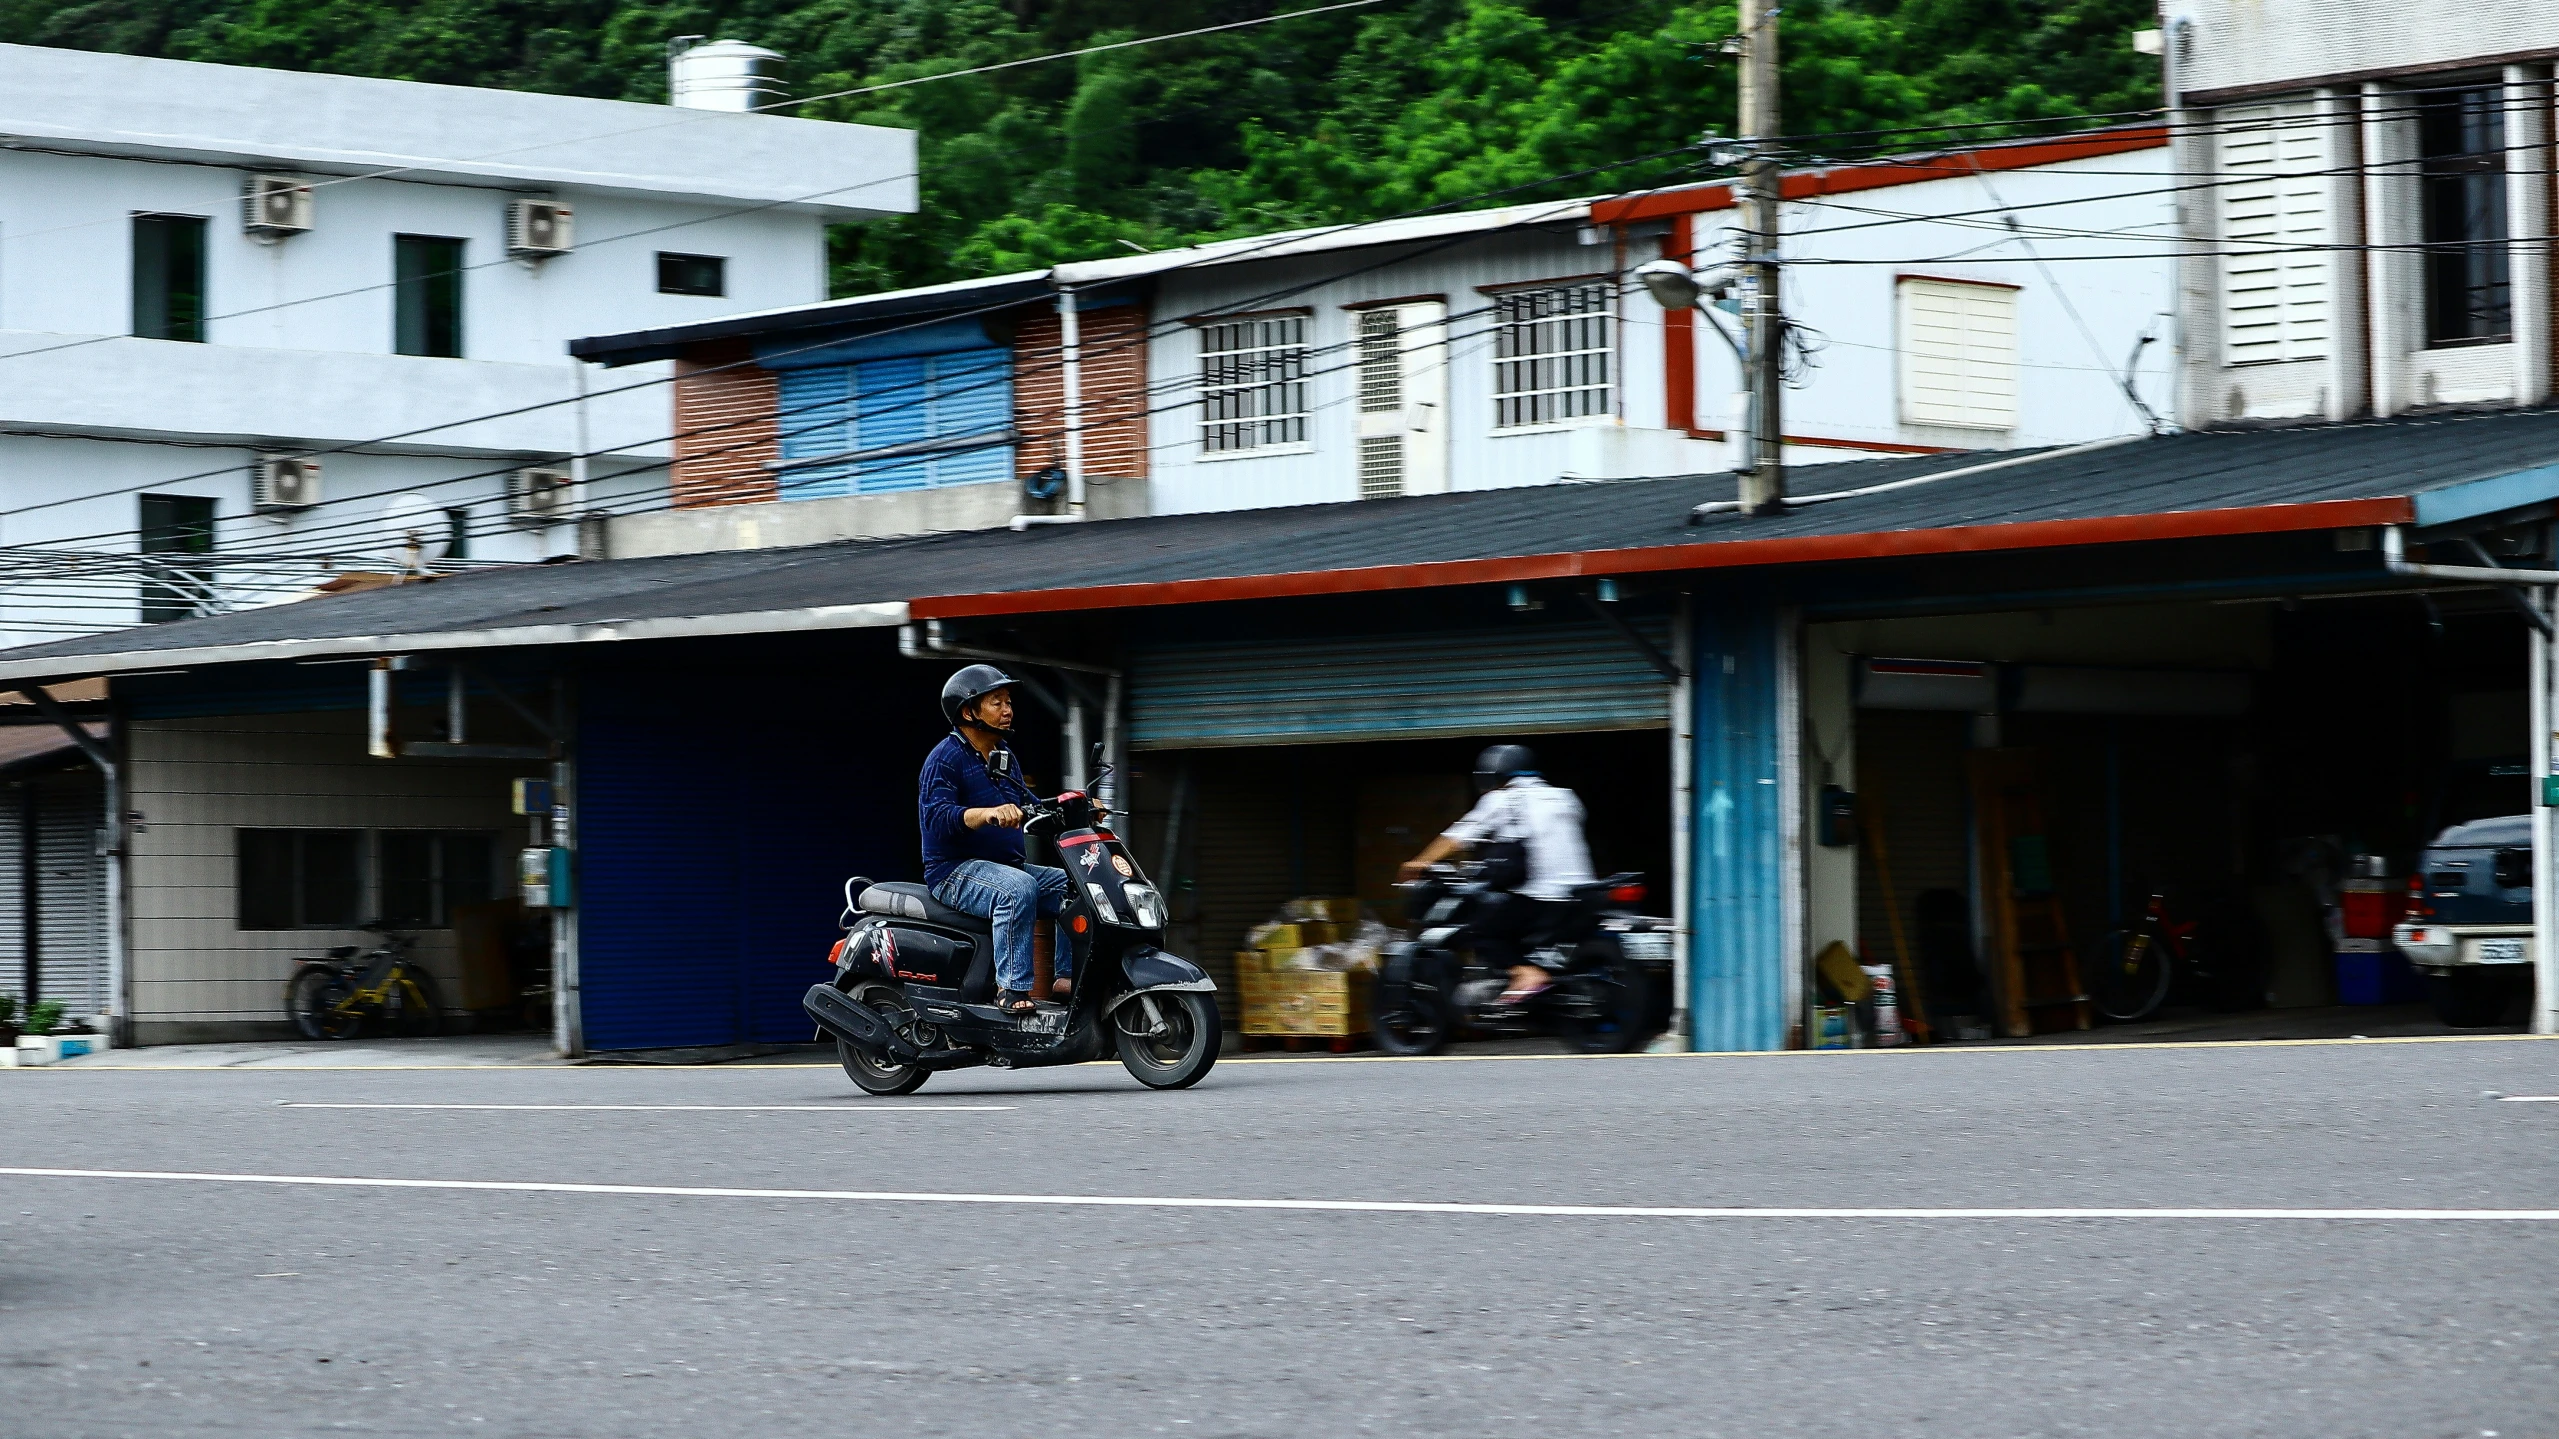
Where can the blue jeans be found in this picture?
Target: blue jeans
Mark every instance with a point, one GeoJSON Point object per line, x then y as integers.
{"type": "Point", "coordinates": [1016, 900]}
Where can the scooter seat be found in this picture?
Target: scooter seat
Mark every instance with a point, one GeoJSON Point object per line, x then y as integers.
{"type": "Point", "coordinates": [900, 899]}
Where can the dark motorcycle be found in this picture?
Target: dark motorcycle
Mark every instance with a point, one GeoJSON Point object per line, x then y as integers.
{"type": "Point", "coordinates": [1434, 984]}
{"type": "Point", "coordinates": [914, 977]}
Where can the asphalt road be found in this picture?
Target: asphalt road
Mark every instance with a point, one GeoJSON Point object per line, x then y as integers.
{"type": "Point", "coordinates": [175, 1306]}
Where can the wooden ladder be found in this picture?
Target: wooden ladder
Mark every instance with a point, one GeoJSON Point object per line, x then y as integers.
{"type": "Point", "coordinates": [2037, 968]}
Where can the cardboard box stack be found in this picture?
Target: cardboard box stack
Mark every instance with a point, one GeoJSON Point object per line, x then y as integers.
{"type": "Point", "coordinates": [1290, 974]}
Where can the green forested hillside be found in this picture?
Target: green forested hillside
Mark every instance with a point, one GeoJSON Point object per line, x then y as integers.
{"type": "Point", "coordinates": [1342, 116]}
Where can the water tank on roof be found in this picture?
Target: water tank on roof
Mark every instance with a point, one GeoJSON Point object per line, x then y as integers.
{"type": "Point", "coordinates": [722, 75]}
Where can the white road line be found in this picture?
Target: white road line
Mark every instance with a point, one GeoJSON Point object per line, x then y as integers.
{"type": "Point", "coordinates": [1332, 1206]}
{"type": "Point", "coordinates": [679, 1108]}
{"type": "Point", "coordinates": [2528, 1099]}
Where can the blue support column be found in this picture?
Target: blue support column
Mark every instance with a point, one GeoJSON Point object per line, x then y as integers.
{"type": "Point", "coordinates": [1737, 953]}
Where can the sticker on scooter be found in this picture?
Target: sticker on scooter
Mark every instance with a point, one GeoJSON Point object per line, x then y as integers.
{"type": "Point", "coordinates": [1090, 858]}
{"type": "Point", "coordinates": [1120, 862]}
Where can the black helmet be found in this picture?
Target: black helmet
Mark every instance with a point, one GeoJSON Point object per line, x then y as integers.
{"type": "Point", "coordinates": [971, 684]}
{"type": "Point", "coordinates": [1498, 763]}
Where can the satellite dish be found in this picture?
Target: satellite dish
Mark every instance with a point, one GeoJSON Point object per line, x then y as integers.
{"type": "Point", "coordinates": [407, 518]}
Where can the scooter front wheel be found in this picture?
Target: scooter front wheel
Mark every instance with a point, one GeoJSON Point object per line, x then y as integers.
{"type": "Point", "coordinates": [1169, 1041]}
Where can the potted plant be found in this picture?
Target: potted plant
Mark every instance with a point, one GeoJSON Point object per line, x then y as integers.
{"type": "Point", "coordinates": [37, 1043]}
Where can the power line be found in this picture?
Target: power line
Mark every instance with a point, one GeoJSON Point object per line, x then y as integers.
{"type": "Point", "coordinates": [1143, 337]}
{"type": "Point", "coordinates": [1209, 257]}
{"type": "Point", "coordinates": [1897, 219]}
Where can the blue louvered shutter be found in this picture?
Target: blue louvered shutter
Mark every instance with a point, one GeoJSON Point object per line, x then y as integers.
{"type": "Point", "coordinates": [897, 409]}
{"type": "Point", "coordinates": [973, 396]}
{"type": "Point", "coordinates": [817, 420]}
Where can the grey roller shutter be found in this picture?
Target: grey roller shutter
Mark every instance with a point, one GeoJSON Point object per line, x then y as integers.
{"type": "Point", "coordinates": [71, 900]}
{"type": "Point", "coordinates": [14, 958]}
{"type": "Point", "coordinates": [1911, 794]}
{"type": "Point", "coordinates": [1550, 678]}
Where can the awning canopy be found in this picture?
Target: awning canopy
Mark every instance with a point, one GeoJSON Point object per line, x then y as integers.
{"type": "Point", "coordinates": [2447, 470]}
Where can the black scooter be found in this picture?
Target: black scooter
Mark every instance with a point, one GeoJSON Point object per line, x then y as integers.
{"type": "Point", "coordinates": [1433, 985]}
{"type": "Point", "coordinates": [914, 977]}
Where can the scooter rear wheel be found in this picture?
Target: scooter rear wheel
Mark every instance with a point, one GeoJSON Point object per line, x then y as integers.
{"type": "Point", "coordinates": [1181, 1052]}
{"type": "Point", "coordinates": [1412, 1016]}
{"type": "Point", "coordinates": [878, 1076]}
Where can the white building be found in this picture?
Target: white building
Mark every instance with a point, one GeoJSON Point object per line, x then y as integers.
{"type": "Point", "coordinates": [2005, 296]}
{"type": "Point", "coordinates": [207, 270]}
{"type": "Point", "coordinates": [2375, 234]}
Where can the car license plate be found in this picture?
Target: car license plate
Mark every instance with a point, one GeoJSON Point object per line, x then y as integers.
{"type": "Point", "coordinates": [2502, 951]}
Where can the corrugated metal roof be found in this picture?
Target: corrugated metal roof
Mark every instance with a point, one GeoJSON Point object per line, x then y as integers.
{"type": "Point", "coordinates": [2221, 482]}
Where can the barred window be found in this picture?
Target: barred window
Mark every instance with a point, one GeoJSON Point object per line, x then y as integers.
{"type": "Point", "coordinates": [1252, 383]}
{"type": "Point", "coordinates": [1381, 363]}
{"type": "Point", "coordinates": [1550, 353]}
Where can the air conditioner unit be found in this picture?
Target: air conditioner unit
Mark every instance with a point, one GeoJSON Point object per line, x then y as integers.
{"type": "Point", "coordinates": [274, 206]}
{"type": "Point", "coordinates": [537, 229]}
{"type": "Point", "coordinates": [540, 497]}
{"type": "Point", "coordinates": [284, 485]}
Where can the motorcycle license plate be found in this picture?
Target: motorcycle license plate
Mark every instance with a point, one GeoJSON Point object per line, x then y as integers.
{"type": "Point", "coordinates": [2502, 951]}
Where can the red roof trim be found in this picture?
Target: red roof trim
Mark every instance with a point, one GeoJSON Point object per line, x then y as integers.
{"type": "Point", "coordinates": [1655, 559]}
{"type": "Point", "coordinates": [1884, 174]}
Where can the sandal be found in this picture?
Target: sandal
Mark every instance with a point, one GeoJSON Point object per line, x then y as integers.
{"type": "Point", "coordinates": [1016, 1002]}
{"type": "Point", "coordinates": [1063, 988]}
{"type": "Point", "coordinates": [1523, 996]}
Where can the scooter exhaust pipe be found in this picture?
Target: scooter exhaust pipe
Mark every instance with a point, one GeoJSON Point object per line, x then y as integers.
{"type": "Point", "coordinates": [856, 1024]}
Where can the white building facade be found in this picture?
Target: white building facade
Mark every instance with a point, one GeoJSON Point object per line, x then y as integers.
{"type": "Point", "coordinates": [279, 326]}
{"type": "Point", "coordinates": [2372, 236]}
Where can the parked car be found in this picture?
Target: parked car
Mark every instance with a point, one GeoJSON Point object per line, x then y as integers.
{"type": "Point", "coordinates": [2469, 924]}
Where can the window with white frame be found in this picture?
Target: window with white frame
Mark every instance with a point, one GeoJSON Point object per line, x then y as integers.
{"type": "Point", "coordinates": [1551, 353]}
{"type": "Point", "coordinates": [2274, 233]}
{"type": "Point", "coordinates": [1958, 353]}
{"type": "Point", "coordinates": [1252, 383]}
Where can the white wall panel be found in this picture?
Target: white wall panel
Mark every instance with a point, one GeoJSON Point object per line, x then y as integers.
{"type": "Point", "coordinates": [2236, 43]}
{"type": "Point", "coordinates": [196, 781]}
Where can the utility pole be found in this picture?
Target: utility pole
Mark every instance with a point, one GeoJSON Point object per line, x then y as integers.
{"type": "Point", "coordinates": [1763, 484]}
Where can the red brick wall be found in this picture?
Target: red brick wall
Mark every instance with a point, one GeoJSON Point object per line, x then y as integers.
{"type": "Point", "coordinates": [1113, 341]}
{"type": "Point", "coordinates": [724, 428]}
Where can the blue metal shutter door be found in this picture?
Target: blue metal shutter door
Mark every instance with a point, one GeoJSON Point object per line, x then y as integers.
{"type": "Point", "coordinates": [657, 878]}
{"type": "Point", "coordinates": [713, 850]}
{"type": "Point", "coordinates": [1737, 958]}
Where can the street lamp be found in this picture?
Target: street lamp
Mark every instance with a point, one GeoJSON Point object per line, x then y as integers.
{"type": "Point", "coordinates": [1675, 286]}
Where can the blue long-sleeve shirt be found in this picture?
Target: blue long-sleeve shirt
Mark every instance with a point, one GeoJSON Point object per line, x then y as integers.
{"type": "Point", "coordinates": [955, 781]}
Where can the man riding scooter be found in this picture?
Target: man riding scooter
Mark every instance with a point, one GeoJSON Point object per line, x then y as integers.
{"type": "Point", "coordinates": [969, 805]}
{"type": "Point", "coordinates": [1520, 812]}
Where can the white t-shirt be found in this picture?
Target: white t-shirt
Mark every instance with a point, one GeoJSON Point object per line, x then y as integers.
{"type": "Point", "coordinates": [1547, 819]}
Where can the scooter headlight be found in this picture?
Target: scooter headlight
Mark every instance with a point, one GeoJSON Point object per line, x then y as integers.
{"type": "Point", "coordinates": [1145, 905]}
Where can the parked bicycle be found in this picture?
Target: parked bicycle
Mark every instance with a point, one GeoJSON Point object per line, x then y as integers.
{"type": "Point", "coordinates": [2134, 975]}
{"type": "Point", "coordinates": [2217, 963]}
{"type": "Point", "coordinates": [346, 992]}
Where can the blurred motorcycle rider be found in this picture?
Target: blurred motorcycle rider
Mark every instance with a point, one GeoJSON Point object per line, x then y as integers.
{"type": "Point", "coordinates": [1518, 814]}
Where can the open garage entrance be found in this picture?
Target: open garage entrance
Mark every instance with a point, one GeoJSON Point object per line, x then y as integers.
{"type": "Point", "coordinates": [2025, 782]}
